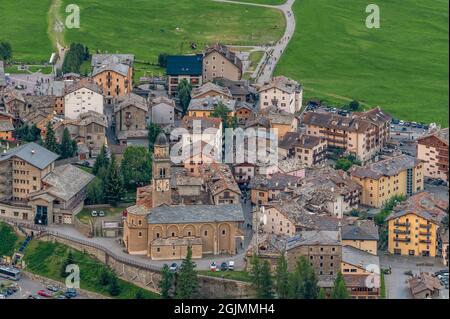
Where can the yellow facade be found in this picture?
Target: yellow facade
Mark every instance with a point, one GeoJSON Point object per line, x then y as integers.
{"type": "Point", "coordinates": [412, 235]}
{"type": "Point", "coordinates": [370, 246]}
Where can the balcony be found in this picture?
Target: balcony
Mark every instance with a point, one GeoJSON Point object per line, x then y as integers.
{"type": "Point", "coordinates": [402, 240]}
{"type": "Point", "coordinates": [425, 226]}
{"type": "Point", "coordinates": [425, 233]}
{"type": "Point", "coordinates": [406, 224]}
{"type": "Point", "coordinates": [402, 232]}
{"type": "Point", "coordinates": [425, 241]}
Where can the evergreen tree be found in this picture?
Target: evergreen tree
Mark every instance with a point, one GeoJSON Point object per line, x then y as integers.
{"type": "Point", "coordinates": [5, 51]}
{"type": "Point", "coordinates": [68, 261]}
{"type": "Point", "coordinates": [50, 139]}
{"type": "Point", "coordinates": [139, 294]}
{"type": "Point", "coordinates": [184, 94]}
{"type": "Point", "coordinates": [95, 193]}
{"type": "Point", "coordinates": [266, 287]}
{"type": "Point", "coordinates": [187, 284]}
{"type": "Point", "coordinates": [105, 277]}
{"type": "Point", "coordinates": [303, 282]}
{"type": "Point", "coordinates": [153, 132]}
{"type": "Point", "coordinates": [102, 161]}
{"type": "Point", "coordinates": [113, 184]}
{"type": "Point", "coordinates": [255, 273]}
{"type": "Point", "coordinates": [339, 289]}
{"type": "Point", "coordinates": [321, 294]}
{"type": "Point", "coordinates": [136, 166]}
{"type": "Point", "coordinates": [66, 148]}
{"type": "Point", "coordinates": [166, 282]}
{"type": "Point", "coordinates": [282, 278]}
{"type": "Point", "coordinates": [35, 133]}
{"type": "Point", "coordinates": [114, 288]}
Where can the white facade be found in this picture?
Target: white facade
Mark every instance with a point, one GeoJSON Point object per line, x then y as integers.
{"type": "Point", "coordinates": [81, 101]}
{"type": "Point", "coordinates": [290, 102]}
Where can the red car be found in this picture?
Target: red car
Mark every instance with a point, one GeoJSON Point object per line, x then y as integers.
{"type": "Point", "coordinates": [44, 293]}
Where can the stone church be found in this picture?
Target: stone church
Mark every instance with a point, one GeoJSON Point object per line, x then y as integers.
{"type": "Point", "coordinates": [176, 212]}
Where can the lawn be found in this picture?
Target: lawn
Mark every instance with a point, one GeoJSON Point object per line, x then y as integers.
{"type": "Point", "coordinates": [235, 275]}
{"type": "Point", "coordinates": [23, 23]}
{"type": "Point", "coordinates": [45, 259]}
{"type": "Point", "coordinates": [270, 2]}
{"type": "Point", "coordinates": [85, 214]}
{"type": "Point", "coordinates": [8, 239]}
{"type": "Point", "coordinates": [403, 66]}
{"type": "Point", "coordinates": [147, 28]}
{"type": "Point", "coordinates": [255, 57]}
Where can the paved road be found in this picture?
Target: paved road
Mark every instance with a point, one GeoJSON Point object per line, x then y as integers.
{"type": "Point", "coordinates": [274, 54]}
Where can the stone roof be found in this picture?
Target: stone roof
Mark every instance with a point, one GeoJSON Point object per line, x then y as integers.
{"type": "Point", "coordinates": [11, 94]}
{"type": "Point", "coordinates": [360, 258]}
{"type": "Point", "coordinates": [296, 139]}
{"type": "Point", "coordinates": [134, 134]}
{"type": "Point", "coordinates": [137, 210]}
{"type": "Point", "coordinates": [388, 167]}
{"type": "Point", "coordinates": [31, 153]}
{"type": "Point", "coordinates": [444, 237]}
{"type": "Point", "coordinates": [101, 59]}
{"type": "Point", "coordinates": [240, 87]}
{"type": "Point", "coordinates": [442, 134]}
{"type": "Point", "coordinates": [220, 178]}
{"type": "Point", "coordinates": [277, 116]}
{"type": "Point", "coordinates": [67, 181]}
{"type": "Point", "coordinates": [358, 122]}
{"type": "Point", "coordinates": [205, 122]}
{"type": "Point", "coordinates": [423, 204]}
{"type": "Point", "coordinates": [313, 237]}
{"type": "Point", "coordinates": [282, 83]}
{"type": "Point", "coordinates": [131, 99]}
{"type": "Point", "coordinates": [92, 117]}
{"type": "Point", "coordinates": [185, 65]}
{"type": "Point", "coordinates": [423, 282]}
{"type": "Point", "coordinates": [162, 100]}
{"type": "Point", "coordinates": [290, 165]}
{"type": "Point", "coordinates": [360, 230]}
{"type": "Point", "coordinates": [195, 214]}
{"type": "Point", "coordinates": [83, 84]}
{"type": "Point", "coordinates": [210, 103]}
{"type": "Point", "coordinates": [277, 181]}
{"type": "Point", "coordinates": [6, 126]}
{"type": "Point", "coordinates": [209, 86]}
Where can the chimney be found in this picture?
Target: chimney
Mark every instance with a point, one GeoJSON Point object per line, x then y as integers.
{"type": "Point", "coordinates": [33, 152]}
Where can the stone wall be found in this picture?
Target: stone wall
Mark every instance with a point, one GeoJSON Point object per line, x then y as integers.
{"type": "Point", "coordinates": [147, 276]}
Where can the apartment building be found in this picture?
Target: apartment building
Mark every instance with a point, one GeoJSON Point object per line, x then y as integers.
{"type": "Point", "coordinates": [113, 73]}
{"type": "Point", "coordinates": [283, 93]}
{"type": "Point", "coordinates": [210, 89]}
{"type": "Point", "coordinates": [414, 225]}
{"type": "Point", "coordinates": [310, 150]}
{"type": "Point", "coordinates": [432, 149]}
{"type": "Point", "coordinates": [184, 67]}
{"type": "Point", "coordinates": [399, 175]}
{"type": "Point", "coordinates": [362, 134]}
{"type": "Point", "coordinates": [6, 126]}
{"type": "Point", "coordinates": [130, 118]}
{"type": "Point", "coordinates": [162, 111]}
{"type": "Point", "coordinates": [361, 234]}
{"type": "Point", "coordinates": [220, 62]}
{"type": "Point", "coordinates": [204, 107]}
{"type": "Point", "coordinates": [81, 97]}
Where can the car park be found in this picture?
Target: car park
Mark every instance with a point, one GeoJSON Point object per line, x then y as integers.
{"type": "Point", "coordinates": [70, 293]}
{"type": "Point", "coordinates": [52, 288]}
{"type": "Point", "coordinates": [44, 293]}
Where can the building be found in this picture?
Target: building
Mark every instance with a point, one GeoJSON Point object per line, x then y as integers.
{"type": "Point", "coordinates": [222, 185]}
{"type": "Point", "coordinates": [362, 134]}
{"type": "Point", "coordinates": [245, 111]}
{"type": "Point", "coordinates": [210, 89]}
{"type": "Point", "coordinates": [322, 249]}
{"type": "Point", "coordinates": [413, 226]}
{"type": "Point", "coordinates": [444, 248]}
{"type": "Point", "coordinates": [361, 234]}
{"type": "Point", "coordinates": [184, 67]}
{"type": "Point", "coordinates": [220, 62]}
{"type": "Point", "coordinates": [241, 91]}
{"type": "Point", "coordinates": [263, 189]}
{"type": "Point", "coordinates": [204, 107]}
{"type": "Point", "coordinates": [6, 126]}
{"type": "Point", "coordinates": [432, 149]}
{"type": "Point", "coordinates": [162, 111]}
{"type": "Point", "coordinates": [14, 102]}
{"type": "Point", "coordinates": [283, 93]}
{"type": "Point", "coordinates": [206, 129]}
{"type": "Point", "coordinates": [165, 232]}
{"type": "Point", "coordinates": [424, 286]}
{"type": "Point", "coordinates": [272, 118]}
{"type": "Point", "coordinates": [81, 97]}
{"type": "Point", "coordinates": [244, 172]}
{"type": "Point", "coordinates": [310, 150]}
{"type": "Point", "coordinates": [33, 189]}
{"type": "Point", "coordinates": [130, 118]}
{"type": "Point", "coordinates": [113, 73]}
{"type": "Point", "coordinates": [362, 273]}
{"type": "Point", "coordinates": [380, 181]}
{"type": "Point", "coordinates": [89, 130]}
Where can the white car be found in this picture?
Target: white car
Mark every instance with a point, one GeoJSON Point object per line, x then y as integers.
{"type": "Point", "coordinates": [231, 265]}
{"type": "Point", "coordinates": [101, 213]}
{"type": "Point", "coordinates": [94, 213]}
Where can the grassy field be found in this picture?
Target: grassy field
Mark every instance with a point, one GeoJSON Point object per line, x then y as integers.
{"type": "Point", "coordinates": [8, 239]}
{"type": "Point", "coordinates": [149, 27]}
{"type": "Point", "coordinates": [403, 66]}
{"type": "Point", "coordinates": [270, 2]}
{"type": "Point", "coordinates": [45, 259]}
{"type": "Point", "coordinates": [24, 24]}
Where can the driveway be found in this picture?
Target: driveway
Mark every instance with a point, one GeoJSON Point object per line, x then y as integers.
{"type": "Point", "coordinates": [396, 282]}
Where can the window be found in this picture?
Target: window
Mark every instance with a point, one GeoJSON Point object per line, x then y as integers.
{"type": "Point", "coordinates": [158, 249]}
{"type": "Point", "coordinates": [140, 234]}
{"type": "Point", "coordinates": [173, 234]}
{"type": "Point", "coordinates": [206, 233]}
{"type": "Point", "coordinates": [223, 232]}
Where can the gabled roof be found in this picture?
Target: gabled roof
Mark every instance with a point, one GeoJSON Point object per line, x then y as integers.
{"type": "Point", "coordinates": [210, 103]}
{"type": "Point", "coordinates": [6, 126]}
{"type": "Point", "coordinates": [388, 167]}
{"type": "Point", "coordinates": [33, 154]}
{"type": "Point", "coordinates": [185, 65]}
{"type": "Point", "coordinates": [226, 53]}
{"type": "Point", "coordinates": [360, 258]}
{"type": "Point", "coordinates": [424, 282]}
{"type": "Point", "coordinates": [131, 99]}
{"type": "Point", "coordinates": [360, 231]}
{"type": "Point", "coordinates": [84, 83]}
{"type": "Point", "coordinates": [209, 86]}
{"type": "Point", "coordinates": [313, 237]}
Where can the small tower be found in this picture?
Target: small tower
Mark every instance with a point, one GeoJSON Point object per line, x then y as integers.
{"type": "Point", "coordinates": [161, 172]}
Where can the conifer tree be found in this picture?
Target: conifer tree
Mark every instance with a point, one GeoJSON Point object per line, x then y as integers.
{"type": "Point", "coordinates": [187, 283]}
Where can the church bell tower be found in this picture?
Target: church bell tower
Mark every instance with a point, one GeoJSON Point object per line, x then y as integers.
{"type": "Point", "coordinates": [161, 172]}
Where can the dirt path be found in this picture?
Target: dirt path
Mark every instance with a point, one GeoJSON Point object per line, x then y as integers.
{"type": "Point", "coordinates": [55, 31]}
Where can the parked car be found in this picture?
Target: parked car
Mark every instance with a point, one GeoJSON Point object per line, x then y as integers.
{"type": "Point", "coordinates": [52, 288]}
{"type": "Point", "coordinates": [32, 297]}
{"type": "Point", "coordinates": [70, 293]}
{"type": "Point", "coordinates": [2, 296]}
{"type": "Point", "coordinates": [231, 265]}
{"type": "Point", "coordinates": [62, 297]}
{"type": "Point", "coordinates": [94, 213]}
{"type": "Point", "coordinates": [173, 267]}
{"type": "Point", "coordinates": [44, 293]}
{"type": "Point", "coordinates": [213, 266]}
{"type": "Point", "coordinates": [224, 266]}
{"type": "Point", "coordinates": [101, 213]}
